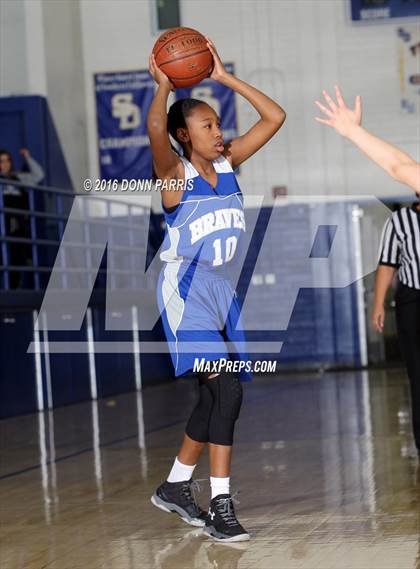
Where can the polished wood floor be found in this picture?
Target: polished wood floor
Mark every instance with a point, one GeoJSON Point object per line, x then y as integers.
{"type": "Point", "coordinates": [322, 463]}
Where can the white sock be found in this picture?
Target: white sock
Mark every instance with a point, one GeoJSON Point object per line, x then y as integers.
{"type": "Point", "coordinates": [219, 486]}
{"type": "Point", "coordinates": [180, 471]}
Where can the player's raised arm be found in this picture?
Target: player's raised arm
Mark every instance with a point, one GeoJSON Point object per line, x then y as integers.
{"type": "Point", "coordinates": [165, 160]}
{"type": "Point", "coordinates": [347, 122]}
{"type": "Point", "coordinates": [272, 115]}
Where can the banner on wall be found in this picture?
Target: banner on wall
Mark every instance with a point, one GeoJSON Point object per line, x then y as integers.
{"type": "Point", "coordinates": [220, 98]}
{"type": "Point", "coordinates": [365, 10]}
{"type": "Point", "coordinates": [409, 67]}
{"type": "Point", "coordinates": [122, 103]}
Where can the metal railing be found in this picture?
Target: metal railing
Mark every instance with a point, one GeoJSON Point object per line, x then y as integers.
{"type": "Point", "coordinates": [52, 216]}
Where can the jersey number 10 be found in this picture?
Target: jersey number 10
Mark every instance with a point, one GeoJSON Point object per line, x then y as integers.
{"type": "Point", "coordinates": [230, 248]}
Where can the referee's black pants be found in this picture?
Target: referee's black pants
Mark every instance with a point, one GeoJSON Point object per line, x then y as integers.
{"type": "Point", "coordinates": [408, 325]}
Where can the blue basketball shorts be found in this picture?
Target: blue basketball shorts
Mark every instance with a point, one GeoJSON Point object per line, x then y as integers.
{"type": "Point", "coordinates": [200, 312]}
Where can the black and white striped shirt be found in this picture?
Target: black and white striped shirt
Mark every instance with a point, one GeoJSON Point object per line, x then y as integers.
{"type": "Point", "coordinates": [400, 246]}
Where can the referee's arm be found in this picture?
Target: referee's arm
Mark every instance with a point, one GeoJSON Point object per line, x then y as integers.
{"type": "Point", "coordinates": [388, 264]}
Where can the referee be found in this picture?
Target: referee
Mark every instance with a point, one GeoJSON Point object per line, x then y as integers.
{"type": "Point", "coordinates": [400, 252]}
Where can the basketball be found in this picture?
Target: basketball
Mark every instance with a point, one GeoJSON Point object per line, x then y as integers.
{"type": "Point", "coordinates": [182, 54]}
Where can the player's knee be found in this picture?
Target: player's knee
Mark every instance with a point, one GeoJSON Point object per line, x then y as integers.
{"type": "Point", "coordinates": [227, 394]}
{"type": "Point", "coordinates": [197, 430]}
{"type": "Point", "coordinates": [221, 431]}
{"type": "Point", "coordinates": [230, 396]}
{"type": "Point", "coordinates": [197, 427]}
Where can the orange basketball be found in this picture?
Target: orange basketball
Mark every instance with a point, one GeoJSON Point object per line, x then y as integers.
{"type": "Point", "coordinates": [182, 54]}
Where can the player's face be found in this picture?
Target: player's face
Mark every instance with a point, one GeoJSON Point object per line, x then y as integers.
{"type": "Point", "coordinates": [5, 164]}
{"type": "Point", "coordinates": [204, 131]}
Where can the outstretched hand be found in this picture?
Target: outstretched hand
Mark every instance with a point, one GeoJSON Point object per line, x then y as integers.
{"type": "Point", "coordinates": [219, 70]}
{"type": "Point", "coordinates": [340, 117]}
{"type": "Point", "coordinates": [158, 75]}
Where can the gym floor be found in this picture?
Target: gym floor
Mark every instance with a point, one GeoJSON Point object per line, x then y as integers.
{"type": "Point", "coordinates": [322, 464]}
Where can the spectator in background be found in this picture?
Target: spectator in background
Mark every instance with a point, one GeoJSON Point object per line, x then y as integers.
{"type": "Point", "coordinates": [34, 174]}
{"type": "Point", "coordinates": [17, 225]}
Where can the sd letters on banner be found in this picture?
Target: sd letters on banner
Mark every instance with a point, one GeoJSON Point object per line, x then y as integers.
{"type": "Point", "coordinates": [123, 100]}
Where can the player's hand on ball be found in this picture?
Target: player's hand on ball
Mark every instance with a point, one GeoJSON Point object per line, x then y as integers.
{"type": "Point", "coordinates": [219, 70]}
{"type": "Point", "coordinates": [378, 319]}
{"type": "Point", "coordinates": [157, 74]}
{"type": "Point", "coordinates": [340, 117]}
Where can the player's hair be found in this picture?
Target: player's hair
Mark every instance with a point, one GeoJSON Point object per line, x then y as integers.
{"type": "Point", "coordinates": [177, 114]}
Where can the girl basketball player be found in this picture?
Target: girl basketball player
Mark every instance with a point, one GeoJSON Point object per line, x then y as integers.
{"type": "Point", "coordinates": [197, 302]}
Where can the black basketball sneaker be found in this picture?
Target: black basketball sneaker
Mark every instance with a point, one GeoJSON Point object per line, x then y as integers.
{"type": "Point", "coordinates": [221, 523]}
{"type": "Point", "coordinates": [178, 497]}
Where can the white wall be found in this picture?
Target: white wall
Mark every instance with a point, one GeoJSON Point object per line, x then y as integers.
{"type": "Point", "coordinates": [41, 53]}
{"type": "Point", "coordinates": [13, 49]}
{"type": "Point", "coordinates": [22, 53]}
{"type": "Point", "coordinates": [117, 36]}
{"type": "Point", "coordinates": [64, 60]}
{"type": "Point", "coordinates": [312, 44]}
{"type": "Point", "coordinates": [290, 49]}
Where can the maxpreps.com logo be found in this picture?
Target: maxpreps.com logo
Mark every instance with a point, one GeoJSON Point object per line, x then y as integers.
{"type": "Point", "coordinates": [126, 111]}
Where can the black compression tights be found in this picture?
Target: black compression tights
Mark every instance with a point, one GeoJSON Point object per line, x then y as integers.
{"type": "Point", "coordinates": [408, 324]}
{"type": "Point", "coordinates": [213, 418]}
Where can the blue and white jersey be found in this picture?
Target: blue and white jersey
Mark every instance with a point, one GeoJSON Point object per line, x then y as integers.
{"type": "Point", "coordinates": [208, 223]}
{"type": "Point", "coordinates": [198, 304]}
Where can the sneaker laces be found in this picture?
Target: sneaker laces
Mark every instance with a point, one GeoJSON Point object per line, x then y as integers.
{"type": "Point", "coordinates": [227, 510]}
{"type": "Point", "coordinates": [195, 487]}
